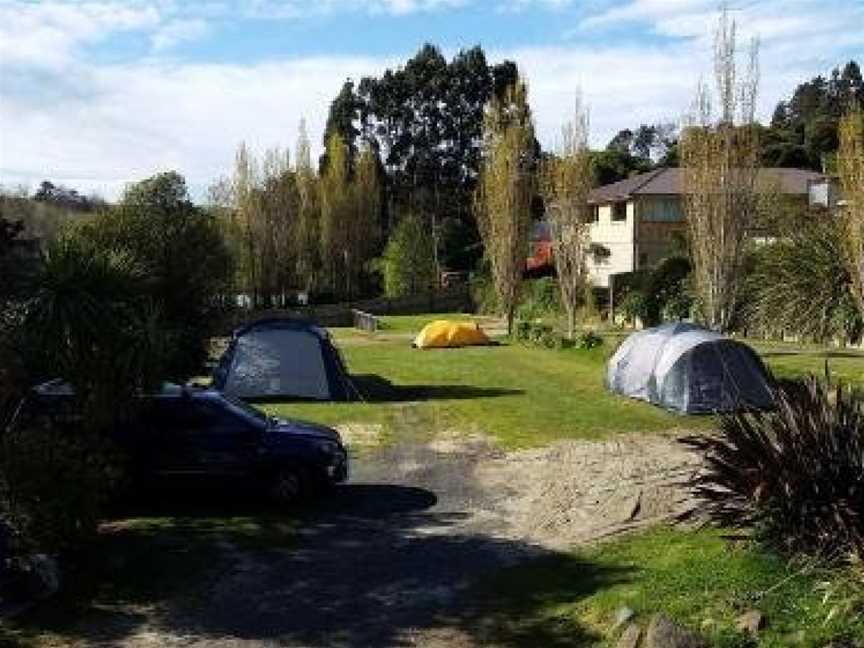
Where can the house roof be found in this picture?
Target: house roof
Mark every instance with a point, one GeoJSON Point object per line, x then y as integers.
{"type": "Point", "coordinates": [670, 181]}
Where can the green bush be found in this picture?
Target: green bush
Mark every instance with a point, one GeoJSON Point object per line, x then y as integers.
{"type": "Point", "coordinates": [54, 485]}
{"type": "Point", "coordinates": [633, 305]}
{"type": "Point", "coordinates": [408, 263]}
{"type": "Point", "coordinates": [483, 294]}
{"type": "Point", "coordinates": [540, 298]}
{"type": "Point", "coordinates": [795, 474]}
{"type": "Point", "coordinates": [800, 284]}
{"type": "Point", "coordinates": [587, 340]}
{"type": "Point", "coordinates": [536, 333]}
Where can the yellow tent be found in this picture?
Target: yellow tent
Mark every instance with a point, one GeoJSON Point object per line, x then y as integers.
{"type": "Point", "coordinates": [444, 333]}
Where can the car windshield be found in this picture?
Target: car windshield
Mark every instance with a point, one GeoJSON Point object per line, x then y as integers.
{"type": "Point", "coordinates": [245, 407]}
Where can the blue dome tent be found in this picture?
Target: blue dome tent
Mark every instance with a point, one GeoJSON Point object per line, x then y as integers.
{"type": "Point", "coordinates": [283, 358]}
{"type": "Point", "coordinates": [689, 369]}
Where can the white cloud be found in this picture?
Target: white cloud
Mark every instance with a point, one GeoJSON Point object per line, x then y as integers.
{"type": "Point", "coordinates": [98, 126]}
{"type": "Point", "coordinates": [177, 31]}
{"type": "Point", "coordinates": [49, 34]}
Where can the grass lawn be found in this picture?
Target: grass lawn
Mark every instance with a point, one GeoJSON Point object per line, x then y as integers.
{"type": "Point", "coordinates": [698, 578]}
{"type": "Point", "coordinates": [521, 396]}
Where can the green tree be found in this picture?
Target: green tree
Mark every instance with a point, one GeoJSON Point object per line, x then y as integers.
{"type": "Point", "coordinates": [566, 180]}
{"type": "Point", "coordinates": [851, 167]}
{"type": "Point", "coordinates": [181, 255]}
{"type": "Point", "coordinates": [506, 192]}
{"type": "Point", "coordinates": [720, 160]}
{"type": "Point", "coordinates": [408, 263]}
{"type": "Point", "coordinates": [426, 118]}
{"type": "Point", "coordinates": [307, 239]}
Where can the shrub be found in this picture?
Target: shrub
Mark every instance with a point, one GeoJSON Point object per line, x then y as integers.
{"type": "Point", "coordinates": [483, 294]}
{"type": "Point", "coordinates": [633, 305]}
{"type": "Point", "coordinates": [796, 475]}
{"type": "Point", "coordinates": [800, 284]}
{"type": "Point", "coordinates": [408, 263]}
{"type": "Point", "coordinates": [536, 333]}
{"type": "Point", "coordinates": [587, 340]}
{"type": "Point", "coordinates": [54, 485]}
{"type": "Point", "coordinates": [540, 298]}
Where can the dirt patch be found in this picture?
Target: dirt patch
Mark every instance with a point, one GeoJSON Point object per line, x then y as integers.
{"type": "Point", "coordinates": [361, 434]}
{"type": "Point", "coordinates": [575, 492]}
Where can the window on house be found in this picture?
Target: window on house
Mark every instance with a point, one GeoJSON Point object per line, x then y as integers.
{"type": "Point", "coordinates": [619, 211]}
{"type": "Point", "coordinates": [660, 210]}
{"type": "Point", "coordinates": [595, 213]}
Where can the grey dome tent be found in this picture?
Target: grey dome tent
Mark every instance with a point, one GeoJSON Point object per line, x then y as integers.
{"type": "Point", "coordinates": [689, 369]}
{"type": "Point", "coordinates": [282, 358]}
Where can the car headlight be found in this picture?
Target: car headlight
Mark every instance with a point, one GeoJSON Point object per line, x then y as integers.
{"type": "Point", "coordinates": [329, 448]}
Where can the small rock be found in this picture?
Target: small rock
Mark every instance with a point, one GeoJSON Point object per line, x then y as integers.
{"type": "Point", "coordinates": [664, 633]}
{"type": "Point", "coordinates": [41, 576]}
{"type": "Point", "coordinates": [630, 637]}
{"type": "Point", "coordinates": [751, 621]}
{"type": "Point", "coordinates": [624, 615]}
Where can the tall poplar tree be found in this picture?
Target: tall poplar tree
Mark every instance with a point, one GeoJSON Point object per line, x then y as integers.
{"type": "Point", "coordinates": [720, 160]}
{"type": "Point", "coordinates": [505, 192]}
{"type": "Point", "coordinates": [850, 163]}
{"type": "Point", "coordinates": [566, 180]}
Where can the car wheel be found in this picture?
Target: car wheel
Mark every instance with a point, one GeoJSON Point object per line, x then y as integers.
{"type": "Point", "coordinates": [287, 486]}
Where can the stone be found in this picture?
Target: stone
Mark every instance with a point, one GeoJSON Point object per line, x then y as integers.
{"type": "Point", "coordinates": [41, 576]}
{"type": "Point", "coordinates": [624, 615]}
{"type": "Point", "coordinates": [630, 637]}
{"type": "Point", "coordinates": [751, 621]}
{"type": "Point", "coordinates": [665, 633]}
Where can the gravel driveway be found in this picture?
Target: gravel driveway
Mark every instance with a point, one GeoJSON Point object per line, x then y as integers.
{"type": "Point", "coordinates": [387, 560]}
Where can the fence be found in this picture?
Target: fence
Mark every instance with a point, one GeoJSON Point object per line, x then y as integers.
{"type": "Point", "coordinates": [454, 299]}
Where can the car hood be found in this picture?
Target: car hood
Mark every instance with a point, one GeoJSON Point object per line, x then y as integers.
{"type": "Point", "coordinates": [305, 428]}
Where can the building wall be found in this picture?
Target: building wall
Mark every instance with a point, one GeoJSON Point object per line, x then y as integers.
{"type": "Point", "coordinates": [617, 238]}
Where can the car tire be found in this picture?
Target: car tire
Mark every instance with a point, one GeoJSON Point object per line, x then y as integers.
{"type": "Point", "coordinates": [287, 486]}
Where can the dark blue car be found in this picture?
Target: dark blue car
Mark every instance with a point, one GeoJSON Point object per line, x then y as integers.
{"type": "Point", "coordinates": [195, 436]}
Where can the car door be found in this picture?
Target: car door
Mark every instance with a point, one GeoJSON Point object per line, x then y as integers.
{"type": "Point", "coordinates": [220, 441]}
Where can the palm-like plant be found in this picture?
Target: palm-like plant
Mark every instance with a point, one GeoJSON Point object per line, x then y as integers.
{"type": "Point", "coordinates": [795, 474]}
{"type": "Point", "coordinates": [90, 323]}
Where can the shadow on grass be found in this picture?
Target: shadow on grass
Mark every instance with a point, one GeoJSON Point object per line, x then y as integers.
{"type": "Point", "coordinates": [781, 353]}
{"type": "Point", "coordinates": [373, 565]}
{"type": "Point", "coordinates": [377, 389]}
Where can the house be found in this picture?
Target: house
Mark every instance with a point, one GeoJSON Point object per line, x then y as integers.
{"type": "Point", "coordinates": [639, 221]}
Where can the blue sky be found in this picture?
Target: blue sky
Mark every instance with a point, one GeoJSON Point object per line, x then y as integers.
{"type": "Point", "coordinates": [96, 93]}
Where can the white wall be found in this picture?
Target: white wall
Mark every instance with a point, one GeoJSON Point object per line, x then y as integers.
{"type": "Point", "coordinates": [617, 237]}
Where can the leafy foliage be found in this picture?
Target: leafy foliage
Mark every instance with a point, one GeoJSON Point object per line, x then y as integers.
{"type": "Point", "coordinates": [794, 474]}
{"type": "Point", "coordinates": [539, 298]}
{"type": "Point", "coordinates": [565, 182]}
{"type": "Point", "coordinates": [178, 254]}
{"type": "Point", "coordinates": [804, 129]}
{"type": "Point", "coordinates": [800, 284]}
{"type": "Point", "coordinates": [92, 323]}
{"type": "Point", "coordinates": [408, 262]}
{"type": "Point", "coordinates": [54, 485]}
{"type": "Point", "coordinates": [537, 333]}
{"type": "Point", "coordinates": [667, 291]}
{"type": "Point", "coordinates": [851, 167]}
{"type": "Point", "coordinates": [505, 193]}
{"type": "Point", "coordinates": [425, 118]}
